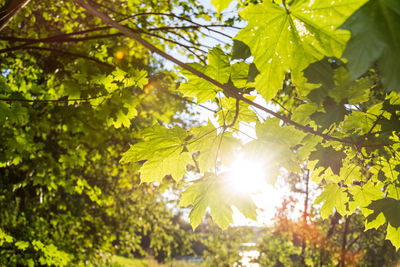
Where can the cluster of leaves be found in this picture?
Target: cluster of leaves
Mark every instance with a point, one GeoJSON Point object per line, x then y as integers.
{"type": "Point", "coordinates": [310, 240]}
{"type": "Point", "coordinates": [333, 68]}
{"type": "Point", "coordinates": [281, 245]}
{"type": "Point", "coordinates": [73, 95]}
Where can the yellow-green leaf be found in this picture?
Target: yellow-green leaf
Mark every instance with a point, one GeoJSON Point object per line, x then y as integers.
{"type": "Point", "coordinates": [283, 39]}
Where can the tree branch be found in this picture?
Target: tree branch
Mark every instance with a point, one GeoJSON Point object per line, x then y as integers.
{"type": "Point", "coordinates": [343, 251]}
{"type": "Point", "coordinates": [277, 102]}
{"type": "Point", "coordinates": [236, 115]}
{"type": "Point", "coordinates": [190, 101]}
{"type": "Point", "coordinates": [63, 38]}
{"type": "Point", "coordinates": [63, 99]}
{"type": "Point", "coordinates": [152, 48]}
{"type": "Point", "coordinates": [374, 125]}
{"type": "Point", "coordinates": [353, 241]}
{"type": "Point", "coordinates": [68, 54]}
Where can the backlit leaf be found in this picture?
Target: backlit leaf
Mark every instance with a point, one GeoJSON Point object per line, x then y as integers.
{"type": "Point", "coordinates": [207, 141]}
{"type": "Point", "coordinates": [220, 4]}
{"type": "Point", "coordinates": [283, 39]}
{"type": "Point", "coordinates": [214, 192]}
{"type": "Point", "coordinates": [328, 157]}
{"type": "Point", "coordinates": [163, 152]}
{"type": "Point", "coordinates": [333, 197]}
{"type": "Point", "coordinates": [363, 196]}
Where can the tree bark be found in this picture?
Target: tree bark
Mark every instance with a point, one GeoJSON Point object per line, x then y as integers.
{"type": "Point", "coordinates": [344, 242]}
{"type": "Point", "coordinates": [305, 215]}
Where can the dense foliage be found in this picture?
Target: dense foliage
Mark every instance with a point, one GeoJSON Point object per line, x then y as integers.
{"type": "Point", "coordinates": [73, 96]}
{"type": "Point", "coordinates": [338, 108]}
{"type": "Point", "coordinates": [222, 247]}
{"type": "Point", "coordinates": [309, 240]}
{"type": "Point", "coordinates": [78, 87]}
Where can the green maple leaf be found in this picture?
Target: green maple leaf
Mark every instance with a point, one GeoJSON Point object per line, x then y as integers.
{"type": "Point", "coordinates": [217, 69]}
{"type": "Point", "coordinates": [333, 196]}
{"type": "Point", "coordinates": [197, 87]}
{"type": "Point", "coordinates": [389, 207]}
{"type": "Point", "coordinates": [307, 145]}
{"type": "Point", "coordinates": [357, 121]}
{"type": "Point", "coordinates": [334, 113]}
{"type": "Point", "coordinates": [386, 210]}
{"type": "Point", "coordinates": [336, 84]}
{"type": "Point", "coordinates": [303, 113]}
{"type": "Point", "coordinates": [375, 37]}
{"type": "Point", "coordinates": [273, 146]}
{"type": "Point", "coordinates": [240, 50]}
{"type": "Point", "coordinates": [229, 109]}
{"type": "Point", "coordinates": [220, 4]}
{"type": "Point", "coordinates": [290, 38]}
{"type": "Point", "coordinates": [209, 142]}
{"type": "Point", "coordinates": [215, 193]}
{"type": "Point", "coordinates": [363, 196]}
{"type": "Point", "coordinates": [352, 92]}
{"type": "Point", "coordinates": [376, 222]}
{"type": "Point", "coordinates": [328, 157]}
{"type": "Point", "coordinates": [393, 235]}
{"type": "Point", "coordinates": [136, 77]}
{"type": "Point", "coordinates": [393, 189]}
{"type": "Point", "coordinates": [272, 131]}
{"type": "Point", "coordinates": [121, 119]}
{"type": "Point", "coordinates": [22, 245]}
{"type": "Point", "coordinates": [163, 151]}
{"type": "Point", "coordinates": [170, 161]}
{"type": "Point", "coordinates": [218, 65]}
{"type": "Point", "coordinates": [240, 74]}
{"type": "Point", "coordinates": [320, 72]}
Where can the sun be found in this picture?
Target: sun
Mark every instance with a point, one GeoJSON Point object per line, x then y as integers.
{"type": "Point", "coordinates": [252, 178]}
{"type": "Point", "coordinates": [246, 176]}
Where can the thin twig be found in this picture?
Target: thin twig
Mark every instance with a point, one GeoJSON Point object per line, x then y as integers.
{"type": "Point", "coordinates": [63, 99]}
{"type": "Point", "coordinates": [275, 101]}
{"type": "Point", "coordinates": [236, 115]}
{"type": "Point", "coordinates": [175, 42]}
{"type": "Point", "coordinates": [242, 132]}
{"type": "Point", "coordinates": [374, 125]}
{"type": "Point", "coordinates": [218, 149]}
{"type": "Point", "coordinates": [180, 18]}
{"type": "Point", "coordinates": [68, 54]}
{"type": "Point", "coordinates": [190, 102]}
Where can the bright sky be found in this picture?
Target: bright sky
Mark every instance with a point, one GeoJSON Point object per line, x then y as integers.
{"type": "Point", "coordinates": [250, 177]}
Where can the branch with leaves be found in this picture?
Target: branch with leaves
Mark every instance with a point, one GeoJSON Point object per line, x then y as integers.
{"type": "Point", "coordinates": [128, 32]}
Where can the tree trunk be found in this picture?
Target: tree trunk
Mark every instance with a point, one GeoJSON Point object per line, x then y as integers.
{"type": "Point", "coordinates": [344, 242]}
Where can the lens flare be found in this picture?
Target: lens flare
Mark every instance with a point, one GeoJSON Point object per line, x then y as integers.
{"type": "Point", "coordinates": [247, 176]}
{"type": "Point", "coordinates": [119, 55]}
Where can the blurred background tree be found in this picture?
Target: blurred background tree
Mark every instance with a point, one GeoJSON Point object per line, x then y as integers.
{"type": "Point", "coordinates": [300, 237]}
{"type": "Point", "coordinates": [74, 95]}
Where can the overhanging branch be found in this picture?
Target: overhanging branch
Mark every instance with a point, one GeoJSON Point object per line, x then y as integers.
{"type": "Point", "coordinates": [67, 54]}
{"type": "Point", "coordinates": [128, 32]}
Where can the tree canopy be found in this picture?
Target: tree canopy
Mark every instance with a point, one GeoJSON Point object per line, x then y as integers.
{"type": "Point", "coordinates": [338, 107]}
{"type": "Point", "coordinates": [74, 94]}
{"type": "Point", "coordinates": [81, 79]}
